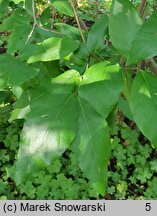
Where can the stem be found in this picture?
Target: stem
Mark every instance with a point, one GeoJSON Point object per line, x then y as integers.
{"type": "Point", "coordinates": [31, 33]}
{"type": "Point", "coordinates": [142, 8]}
{"type": "Point", "coordinates": [97, 9]}
{"type": "Point", "coordinates": [151, 64]}
{"type": "Point", "coordinates": [36, 23]}
{"type": "Point", "coordinates": [77, 20]}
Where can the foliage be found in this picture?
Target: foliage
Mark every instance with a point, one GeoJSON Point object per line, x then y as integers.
{"type": "Point", "coordinates": [64, 180]}
{"type": "Point", "coordinates": [67, 86]}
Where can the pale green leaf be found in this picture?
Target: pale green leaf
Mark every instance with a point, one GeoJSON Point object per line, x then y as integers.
{"type": "Point", "coordinates": [52, 49]}
{"type": "Point", "coordinates": [102, 83]}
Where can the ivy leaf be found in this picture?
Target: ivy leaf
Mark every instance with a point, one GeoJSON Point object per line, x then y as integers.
{"type": "Point", "coordinates": [144, 104]}
{"type": "Point", "coordinates": [124, 23]}
{"type": "Point", "coordinates": [14, 72]}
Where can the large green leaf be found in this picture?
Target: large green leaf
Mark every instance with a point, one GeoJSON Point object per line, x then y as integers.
{"type": "Point", "coordinates": [145, 43]}
{"type": "Point", "coordinates": [51, 125]}
{"type": "Point", "coordinates": [95, 39]}
{"type": "Point", "coordinates": [52, 49]}
{"type": "Point", "coordinates": [57, 112]}
{"type": "Point", "coordinates": [144, 105]}
{"type": "Point", "coordinates": [124, 23]}
{"type": "Point", "coordinates": [101, 87]}
{"type": "Point", "coordinates": [14, 72]}
{"type": "Point", "coordinates": [92, 145]}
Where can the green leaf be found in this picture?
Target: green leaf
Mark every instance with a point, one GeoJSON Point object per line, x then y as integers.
{"type": "Point", "coordinates": [19, 25]}
{"type": "Point", "coordinates": [144, 104]}
{"type": "Point", "coordinates": [66, 110]}
{"type": "Point", "coordinates": [18, 1]}
{"type": "Point", "coordinates": [4, 4]}
{"type": "Point", "coordinates": [95, 39]}
{"type": "Point", "coordinates": [52, 49]}
{"type": "Point", "coordinates": [68, 30]}
{"type": "Point", "coordinates": [124, 106]}
{"type": "Point", "coordinates": [63, 7]}
{"type": "Point", "coordinates": [49, 50]}
{"type": "Point", "coordinates": [124, 24]}
{"type": "Point", "coordinates": [145, 43]}
{"type": "Point", "coordinates": [50, 127]}
{"type": "Point", "coordinates": [68, 45]}
{"type": "Point", "coordinates": [102, 83]}
{"type": "Point", "coordinates": [14, 72]}
{"type": "Point", "coordinates": [92, 145]}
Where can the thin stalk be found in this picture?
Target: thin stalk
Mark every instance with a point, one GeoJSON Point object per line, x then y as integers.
{"type": "Point", "coordinates": [77, 20]}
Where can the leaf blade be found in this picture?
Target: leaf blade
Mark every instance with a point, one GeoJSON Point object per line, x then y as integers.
{"type": "Point", "coordinates": [144, 105]}
{"type": "Point", "coordinates": [50, 127]}
{"type": "Point", "coordinates": [14, 72]}
{"type": "Point", "coordinates": [92, 145]}
{"type": "Point", "coordinates": [124, 23]}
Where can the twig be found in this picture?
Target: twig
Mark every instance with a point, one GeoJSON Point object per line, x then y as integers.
{"type": "Point", "coordinates": [97, 8]}
{"type": "Point", "coordinates": [151, 64]}
{"type": "Point", "coordinates": [31, 33]}
{"type": "Point", "coordinates": [142, 8]}
{"type": "Point", "coordinates": [77, 20]}
{"type": "Point", "coordinates": [36, 23]}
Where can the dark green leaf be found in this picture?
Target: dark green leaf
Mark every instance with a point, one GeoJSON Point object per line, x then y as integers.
{"type": "Point", "coordinates": [50, 127]}
{"type": "Point", "coordinates": [14, 72]}
{"type": "Point", "coordinates": [145, 43]}
{"type": "Point", "coordinates": [19, 25]}
{"type": "Point", "coordinates": [144, 104]}
{"type": "Point", "coordinates": [95, 39]}
{"type": "Point", "coordinates": [92, 145]}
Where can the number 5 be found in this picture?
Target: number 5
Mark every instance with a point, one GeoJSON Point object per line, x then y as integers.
{"type": "Point", "coordinates": [148, 207]}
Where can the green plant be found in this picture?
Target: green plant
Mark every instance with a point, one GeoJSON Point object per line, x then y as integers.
{"type": "Point", "coordinates": [67, 90]}
{"type": "Point", "coordinates": [63, 179]}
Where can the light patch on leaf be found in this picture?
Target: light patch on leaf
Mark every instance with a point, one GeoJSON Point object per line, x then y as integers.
{"type": "Point", "coordinates": [144, 90]}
